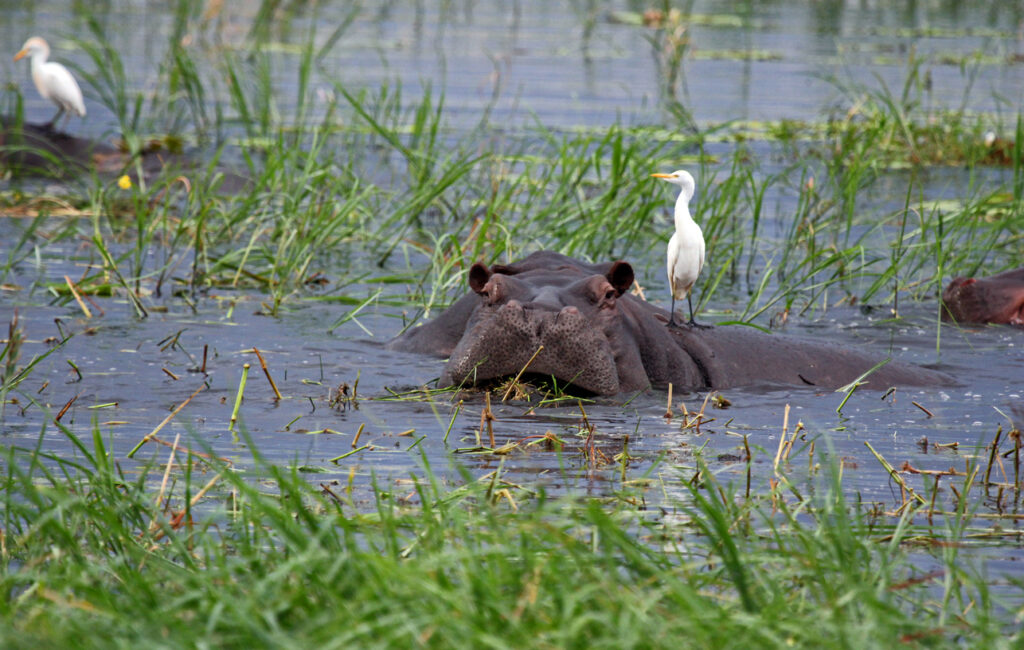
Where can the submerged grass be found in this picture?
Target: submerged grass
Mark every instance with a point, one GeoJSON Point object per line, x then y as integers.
{"type": "Point", "coordinates": [93, 554]}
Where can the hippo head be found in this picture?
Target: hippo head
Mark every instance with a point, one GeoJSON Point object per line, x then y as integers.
{"type": "Point", "coordinates": [563, 323]}
{"type": "Point", "coordinates": [995, 299]}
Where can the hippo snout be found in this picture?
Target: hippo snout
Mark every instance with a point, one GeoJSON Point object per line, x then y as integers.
{"type": "Point", "coordinates": [502, 344]}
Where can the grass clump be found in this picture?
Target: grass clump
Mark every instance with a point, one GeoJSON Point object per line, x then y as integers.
{"type": "Point", "coordinates": [94, 555]}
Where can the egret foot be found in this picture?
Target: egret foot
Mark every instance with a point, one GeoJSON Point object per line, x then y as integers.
{"type": "Point", "coordinates": [692, 324]}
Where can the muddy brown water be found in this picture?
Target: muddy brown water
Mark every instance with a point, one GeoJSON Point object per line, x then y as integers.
{"type": "Point", "coordinates": [546, 67]}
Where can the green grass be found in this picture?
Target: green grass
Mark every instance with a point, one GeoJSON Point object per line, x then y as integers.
{"type": "Point", "coordinates": [95, 553]}
{"type": "Point", "coordinates": [379, 185]}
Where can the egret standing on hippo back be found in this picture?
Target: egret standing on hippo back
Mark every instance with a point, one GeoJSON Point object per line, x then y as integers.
{"type": "Point", "coordinates": [686, 248]}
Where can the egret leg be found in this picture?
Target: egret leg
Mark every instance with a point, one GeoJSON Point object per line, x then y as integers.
{"type": "Point", "coordinates": [692, 322]}
{"type": "Point", "coordinates": [672, 314]}
{"type": "Point", "coordinates": [49, 125]}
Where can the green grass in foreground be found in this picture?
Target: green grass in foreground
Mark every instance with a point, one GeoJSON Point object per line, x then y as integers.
{"type": "Point", "coordinates": [95, 557]}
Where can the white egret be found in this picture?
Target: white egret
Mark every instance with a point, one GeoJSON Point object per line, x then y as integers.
{"type": "Point", "coordinates": [686, 248]}
{"type": "Point", "coordinates": [53, 81]}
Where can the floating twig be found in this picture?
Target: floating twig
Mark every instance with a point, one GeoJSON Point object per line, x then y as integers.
{"type": "Point", "coordinates": [349, 453]}
{"type": "Point", "coordinates": [170, 374]}
{"type": "Point", "coordinates": [926, 411]}
{"type": "Point", "coordinates": [263, 365]}
{"type": "Point", "coordinates": [894, 474]}
{"type": "Point", "coordinates": [359, 432]}
{"type": "Point", "coordinates": [188, 451]}
{"type": "Point", "coordinates": [152, 434]}
{"type": "Point", "coordinates": [668, 407]}
{"type": "Point", "coordinates": [515, 381]}
{"type": "Point", "coordinates": [65, 409]}
{"type": "Point", "coordinates": [78, 298]}
{"type": "Point", "coordinates": [176, 522]}
{"type": "Point", "coordinates": [992, 454]}
{"type": "Point", "coordinates": [907, 467]}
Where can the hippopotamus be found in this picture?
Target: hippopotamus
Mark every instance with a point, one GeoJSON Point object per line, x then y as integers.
{"type": "Point", "coordinates": [39, 149]}
{"type": "Point", "coordinates": [575, 321]}
{"type": "Point", "coordinates": [995, 299]}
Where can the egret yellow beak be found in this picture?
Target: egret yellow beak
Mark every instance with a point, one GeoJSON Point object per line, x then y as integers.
{"type": "Point", "coordinates": [663, 175]}
{"type": "Point", "coordinates": [20, 55]}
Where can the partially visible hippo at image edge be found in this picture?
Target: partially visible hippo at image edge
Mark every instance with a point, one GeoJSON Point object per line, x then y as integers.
{"type": "Point", "coordinates": [605, 341]}
{"type": "Point", "coordinates": [995, 299]}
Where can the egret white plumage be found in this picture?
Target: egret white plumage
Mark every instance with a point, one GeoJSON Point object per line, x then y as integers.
{"type": "Point", "coordinates": [686, 247]}
{"type": "Point", "coordinates": [53, 81]}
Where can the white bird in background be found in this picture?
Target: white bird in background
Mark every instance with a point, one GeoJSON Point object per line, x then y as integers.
{"type": "Point", "coordinates": [686, 248]}
{"type": "Point", "coordinates": [53, 81]}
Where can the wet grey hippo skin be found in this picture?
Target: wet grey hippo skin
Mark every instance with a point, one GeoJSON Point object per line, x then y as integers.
{"type": "Point", "coordinates": [995, 299]}
{"type": "Point", "coordinates": [606, 341]}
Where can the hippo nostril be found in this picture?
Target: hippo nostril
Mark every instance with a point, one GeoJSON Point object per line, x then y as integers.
{"type": "Point", "coordinates": [569, 313]}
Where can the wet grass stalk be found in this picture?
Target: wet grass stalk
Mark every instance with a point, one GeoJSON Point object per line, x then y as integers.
{"type": "Point", "coordinates": [238, 396]}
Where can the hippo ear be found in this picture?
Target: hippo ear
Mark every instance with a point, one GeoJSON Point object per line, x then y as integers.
{"type": "Point", "coordinates": [478, 277]}
{"type": "Point", "coordinates": [620, 276]}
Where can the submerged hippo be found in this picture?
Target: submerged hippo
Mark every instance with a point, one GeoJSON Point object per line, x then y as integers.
{"type": "Point", "coordinates": [603, 340]}
{"type": "Point", "coordinates": [995, 299]}
{"type": "Point", "coordinates": [39, 149]}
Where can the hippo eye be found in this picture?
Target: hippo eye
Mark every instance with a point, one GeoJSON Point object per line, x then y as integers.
{"type": "Point", "coordinates": [609, 294]}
